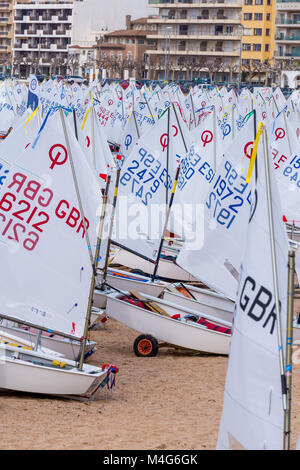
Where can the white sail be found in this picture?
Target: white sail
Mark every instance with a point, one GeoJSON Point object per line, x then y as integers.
{"type": "Point", "coordinates": [94, 145]}
{"type": "Point", "coordinates": [21, 137]}
{"type": "Point", "coordinates": [226, 212]}
{"type": "Point", "coordinates": [46, 268]}
{"type": "Point", "coordinates": [253, 414]}
{"type": "Point", "coordinates": [146, 183]}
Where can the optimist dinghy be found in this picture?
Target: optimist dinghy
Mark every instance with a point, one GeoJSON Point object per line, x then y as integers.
{"type": "Point", "coordinates": [24, 370]}
{"type": "Point", "coordinates": [172, 324]}
{"type": "Point", "coordinates": [125, 281]}
{"type": "Point", "coordinates": [212, 298]}
{"type": "Point", "coordinates": [200, 306]}
{"type": "Point", "coordinates": [167, 269]}
{"type": "Point", "coordinates": [49, 284]}
{"type": "Point", "coordinates": [68, 348]}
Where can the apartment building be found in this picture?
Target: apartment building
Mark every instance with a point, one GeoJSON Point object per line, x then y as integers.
{"type": "Point", "coordinates": [125, 49]}
{"type": "Point", "coordinates": [6, 36]}
{"type": "Point", "coordinates": [196, 36]}
{"type": "Point", "coordinates": [287, 40]}
{"type": "Point", "coordinates": [258, 20]}
{"type": "Point", "coordinates": [42, 36]}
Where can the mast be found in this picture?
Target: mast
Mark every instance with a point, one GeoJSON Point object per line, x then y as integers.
{"type": "Point", "coordinates": [166, 223]}
{"type": "Point", "coordinates": [289, 344]}
{"type": "Point", "coordinates": [215, 139]}
{"type": "Point", "coordinates": [112, 218]}
{"type": "Point", "coordinates": [275, 276]}
{"type": "Point", "coordinates": [93, 280]}
{"type": "Point", "coordinates": [75, 124]}
{"type": "Point", "coordinates": [134, 117]}
{"type": "Point", "coordinates": [168, 157]}
{"type": "Point", "coordinates": [89, 308]}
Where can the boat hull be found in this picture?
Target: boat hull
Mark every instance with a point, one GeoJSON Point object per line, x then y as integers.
{"type": "Point", "coordinates": [167, 270]}
{"type": "Point", "coordinates": [211, 298]}
{"type": "Point", "coordinates": [25, 371]}
{"type": "Point", "coordinates": [70, 349]}
{"type": "Point", "coordinates": [203, 307]}
{"type": "Point", "coordinates": [166, 329]}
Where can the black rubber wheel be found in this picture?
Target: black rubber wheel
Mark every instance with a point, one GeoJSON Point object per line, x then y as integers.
{"type": "Point", "coordinates": [145, 346]}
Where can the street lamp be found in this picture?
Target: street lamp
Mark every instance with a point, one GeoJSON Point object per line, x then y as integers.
{"type": "Point", "coordinates": [167, 55]}
{"type": "Point", "coordinates": [39, 53]}
{"type": "Point", "coordinates": [240, 32]}
{"type": "Point", "coordinates": [101, 71]}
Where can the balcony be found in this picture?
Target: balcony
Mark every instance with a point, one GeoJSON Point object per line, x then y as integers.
{"type": "Point", "coordinates": [200, 20]}
{"type": "Point", "coordinates": [200, 36]}
{"type": "Point", "coordinates": [191, 4]}
{"type": "Point", "coordinates": [288, 22]}
{"type": "Point", "coordinates": [209, 51]}
{"type": "Point", "coordinates": [293, 38]}
{"type": "Point", "coordinates": [284, 5]}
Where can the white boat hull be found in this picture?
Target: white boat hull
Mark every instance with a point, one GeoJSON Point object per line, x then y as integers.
{"type": "Point", "coordinates": [69, 349]}
{"type": "Point", "coordinates": [185, 335]}
{"type": "Point", "coordinates": [166, 269]}
{"type": "Point", "coordinates": [125, 281]}
{"type": "Point", "coordinates": [8, 338]}
{"type": "Point", "coordinates": [25, 371]}
{"type": "Point", "coordinates": [200, 306]}
{"type": "Point", "coordinates": [211, 298]}
{"type": "Point", "coordinates": [99, 300]}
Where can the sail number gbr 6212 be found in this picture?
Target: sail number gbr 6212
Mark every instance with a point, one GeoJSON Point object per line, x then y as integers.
{"type": "Point", "coordinates": [25, 208]}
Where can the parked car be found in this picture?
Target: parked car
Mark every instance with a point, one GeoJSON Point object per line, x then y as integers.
{"type": "Point", "coordinates": [41, 78]}
{"type": "Point", "coordinates": [287, 91]}
{"type": "Point", "coordinates": [124, 84]}
{"type": "Point", "coordinates": [75, 79]}
{"type": "Point", "coordinates": [58, 77]}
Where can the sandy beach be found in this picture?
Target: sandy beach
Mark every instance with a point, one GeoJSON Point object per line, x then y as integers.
{"type": "Point", "coordinates": [170, 402]}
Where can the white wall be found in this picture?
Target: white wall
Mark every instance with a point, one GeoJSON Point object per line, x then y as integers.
{"type": "Point", "coordinates": [95, 15]}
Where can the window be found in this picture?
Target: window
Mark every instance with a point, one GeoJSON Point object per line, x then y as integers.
{"type": "Point", "coordinates": [259, 2]}
{"type": "Point", "coordinates": [267, 47]}
{"type": "Point", "coordinates": [268, 2]}
{"type": "Point", "coordinates": [268, 17]}
{"type": "Point", "coordinates": [258, 16]}
{"type": "Point", "coordinates": [267, 32]}
{"type": "Point", "coordinates": [257, 31]}
{"type": "Point", "coordinates": [141, 41]}
{"type": "Point", "coordinates": [247, 32]}
{"type": "Point", "coordinates": [246, 47]}
{"type": "Point", "coordinates": [247, 16]}
{"type": "Point", "coordinates": [248, 2]}
{"type": "Point", "coordinates": [257, 47]}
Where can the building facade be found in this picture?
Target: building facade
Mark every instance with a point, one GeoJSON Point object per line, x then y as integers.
{"type": "Point", "coordinates": [287, 40]}
{"type": "Point", "coordinates": [196, 37]}
{"type": "Point", "coordinates": [6, 35]}
{"type": "Point", "coordinates": [42, 36]}
{"type": "Point", "coordinates": [258, 20]}
{"type": "Point", "coordinates": [123, 53]}
{"type": "Point", "coordinates": [82, 61]}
